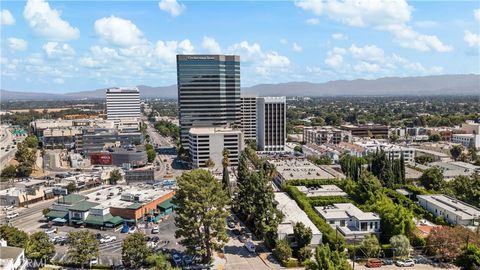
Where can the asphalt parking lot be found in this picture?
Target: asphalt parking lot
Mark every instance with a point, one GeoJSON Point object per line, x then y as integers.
{"type": "Point", "coordinates": [111, 253]}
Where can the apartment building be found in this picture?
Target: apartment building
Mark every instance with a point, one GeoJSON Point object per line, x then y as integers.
{"type": "Point", "coordinates": [326, 134]}
{"type": "Point", "coordinates": [452, 210]}
{"type": "Point", "coordinates": [271, 124]}
{"type": "Point", "coordinates": [208, 143]}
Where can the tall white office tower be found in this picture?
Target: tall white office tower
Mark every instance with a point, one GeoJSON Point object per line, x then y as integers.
{"type": "Point", "coordinates": [123, 103]}
{"type": "Point", "coordinates": [271, 124]}
{"type": "Point", "coordinates": [208, 92]}
{"type": "Point", "coordinates": [249, 118]}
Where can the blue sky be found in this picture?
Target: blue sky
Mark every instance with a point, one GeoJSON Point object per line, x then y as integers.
{"type": "Point", "coordinates": [65, 46]}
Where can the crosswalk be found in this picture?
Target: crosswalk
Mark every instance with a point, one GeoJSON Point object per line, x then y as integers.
{"type": "Point", "coordinates": [62, 257]}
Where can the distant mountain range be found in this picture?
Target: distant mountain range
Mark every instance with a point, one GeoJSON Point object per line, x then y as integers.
{"type": "Point", "coordinates": [389, 86]}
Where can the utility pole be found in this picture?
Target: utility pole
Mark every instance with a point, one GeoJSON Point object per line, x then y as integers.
{"type": "Point", "coordinates": [354, 251]}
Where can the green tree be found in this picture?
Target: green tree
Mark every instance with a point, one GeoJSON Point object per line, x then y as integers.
{"type": "Point", "coordinates": [8, 173]}
{"type": "Point", "coordinates": [151, 155]}
{"type": "Point", "coordinates": [466, 188]}
{"type": "Point", "coordinates": [24, 169]}
{"type": "Point", "coordinates": [210, 163]}
{"type": "Point", "coordinates": [201, 213]}
{"type": "Point", "coordinates": [282, 251]}
{"type": "Point", "coordinates": [367, 185]}
{"type": "Point", "coordinates": [423, 159]}
{"type": "Point", "coordinates": [325, 259]}
{"type": "Point", "coordinates": [456, 151]}
{"type": "Point", "coordinates": [39, 247]}
{"type": "Point", "coordinates": [14, 236]}
{"type": "Point", "coordinates": [159, 261]}
{"type": "Point", "coordinates": [298, 148]}
{"type": "Point", "coordinates": [304, 254]}
{"type": "Point", "coordinates": [400, 245]}
{"type": "Point", "coordinates": [435, 138]}
{"type": "Point", "coordinates": [31, 141]}
{"type": "Point", "coordinates": [115, 176]}
{"type": "Point", "coordinates": [135, 250]}
{"type": "Point", "coordinates": [370, 246]}
{"type": "Point", "coordinates": [394, 137]}
{"type": "Point", "coordinates": [226, 176]}
{"type": "Point", "coordinates": [255, 201]}
{"type": "Point", "coordinates": [303, 235]}
{"type": "Point", "coordinates": [432, 179]}
{"type": "Point", "coordinates": [71, 187]}
{"type": "Point", "coordinates": [82, 247]}
{"type": "Point", "coordinates": [470, 259]}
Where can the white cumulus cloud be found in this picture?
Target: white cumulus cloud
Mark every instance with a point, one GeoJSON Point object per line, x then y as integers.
{"type": "Point", "coordinates": [211, 45]}
{"type": "Point", "coordinates": [56, 49]}
{"type": "Point", "coordinates": [370, 59]}
{"type": "Point", "coordinates": [296, 47]}
{"type": "Point", "coordinates": [339, 36]}
{"type": "Point", "coordinates": [118, 31]}
{"type": "Point", "coordinates": [47, 23]}
{"type": "Point", "coordinates": [476, 14]}
{"type": "Point", "coordinates": [172, 7]}
{"type": "Point", "coordinates": [381, 15]}
{"type": "Point", "coordinates": [17, 44]}
{"type": "Point", "coordinates": [472, 39]}
{"type": "Point", "coordinates": [313, 21]}
{"type": "Point", "coordinates": [273, 59]}
{"type": "Point", "coordinates": [6, 17]}
{"type": "Point", "coordinates": [314, 6]}
{"type": "Point", "coordinates": [186, 47]}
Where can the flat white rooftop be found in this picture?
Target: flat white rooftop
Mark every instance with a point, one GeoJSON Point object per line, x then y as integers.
{"type": "Point", "coordinates": [344, 211]}
{"type": "Point", "coordinates": [213, 130]}
{"type": "Point", "coordinates": [323, 190]}
{"type": "Point", "coordinates": [464, 210]}
{"type": "Point", "coordinates": [112, 196]}
{"type": "Point", "coordinates": [299, 168]}
{"type": "Point", "coordinates": [293, 214]}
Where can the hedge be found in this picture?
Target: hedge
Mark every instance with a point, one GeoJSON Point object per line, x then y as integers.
{"type": "Point", "coordinates": [328, 200]}
{"type": "Point", "coordinates": [292, 262]}
{"type": "Point", "coordinates": [328, 233]}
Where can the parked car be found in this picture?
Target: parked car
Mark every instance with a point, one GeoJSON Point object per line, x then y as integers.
{"type": "Point", "coordinates": [10, 207]}
{"type": "Point", "coordinates": [155, 239]}
{"type": "Point", "coordinates": [93, 261]}
{"type": "Point", "coordinates": [99, 236]}
{"type": "Point", "coordinates": [250, 246]}
{"type": "Point", "coordinates": [422, 260]}
{"type": "Point", "coordinates": [187, 259]}
{"type": "Point", "coordinates": [50, 230]}
{"type": "Point", "coordinates": [107, 239]}
{"type": "Point", "coordinates": [132, 229]}
{"type": "Point", "coordinates": [387, 262]}
{"type": "Point", "coordinates": [405, 263]}
{"type": "Point", "coordinates": [374, 263]}
{"type": "Point", "coordinates": [12, 215]}
{"type": "Point", "coordinates": [177, 259]}
{"type": "Point", "coordinates": [155, 229]}
{"type": "Point", "coordinates": [237, 232]}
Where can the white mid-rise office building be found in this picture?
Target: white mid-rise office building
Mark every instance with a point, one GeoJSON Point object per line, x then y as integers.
{"type": "Point", "coordinates": [123, 103]}
{"type": "Point", "coordinates": [209, 142]}
{"type": "Point", "coordinates": [271, 124]}
{"type": "Point", "coordinates": [249, 118]}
